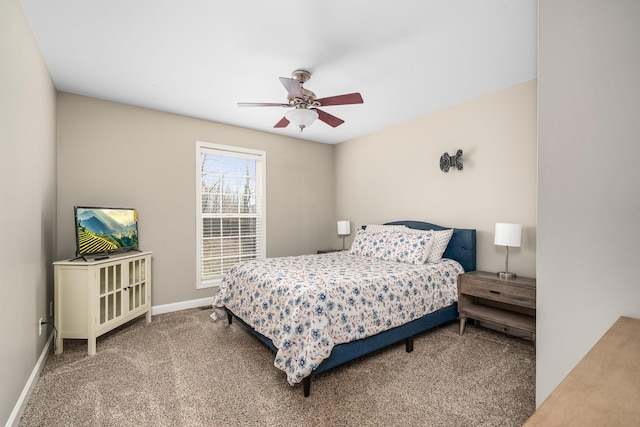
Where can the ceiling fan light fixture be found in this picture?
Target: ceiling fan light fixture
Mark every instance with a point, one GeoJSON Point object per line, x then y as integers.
{"type": "Point", "coordinates": [302, 117]}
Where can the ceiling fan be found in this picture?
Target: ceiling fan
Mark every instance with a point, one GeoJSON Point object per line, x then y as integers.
{"type": "Point", "coordinates": [305, 104]}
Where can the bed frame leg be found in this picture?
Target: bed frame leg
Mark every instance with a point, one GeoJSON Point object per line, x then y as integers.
{"type": "Point", "coordinates": [229, 317]}
{"type": "Point", "coordinates": [306, 383]}
{"type": "Point", "coordinates": [408, 344]}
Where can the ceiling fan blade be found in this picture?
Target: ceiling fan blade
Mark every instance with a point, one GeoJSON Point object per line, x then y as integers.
{"type": "Point", "coordinates": [350, 98]}
{"type": "Point", "coordinates": [262, 104]}
{"type": "Point", "coordinates": [293, 87]}
{"type": "Point", "coordinates": [332, 121]}
{"type": "Point", "coordinates": [283, 123]}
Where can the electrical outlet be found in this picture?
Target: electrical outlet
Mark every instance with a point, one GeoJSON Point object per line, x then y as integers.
{"type": "Point", "coordinates": [40, 326]}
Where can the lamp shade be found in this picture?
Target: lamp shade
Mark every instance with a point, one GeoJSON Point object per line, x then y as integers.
{"type": "Point", "coordinates": [344, 228]}
{"type": "Point", "coordinates": [508, 234]}
{"type": "Point", "coordinates": [302, 117]}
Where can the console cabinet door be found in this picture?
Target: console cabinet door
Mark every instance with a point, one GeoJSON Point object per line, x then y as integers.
{"type": "Point", "coordinates": [110, 294]}
{"type": "Point", "coordinates": [137, 286]}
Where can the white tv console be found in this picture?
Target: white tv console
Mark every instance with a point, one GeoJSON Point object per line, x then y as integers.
{"type": "Point", "coordinates": [95, 296]}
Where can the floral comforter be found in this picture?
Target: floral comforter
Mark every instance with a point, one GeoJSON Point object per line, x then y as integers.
{"type": "Point", "coordinates": [308, 304]}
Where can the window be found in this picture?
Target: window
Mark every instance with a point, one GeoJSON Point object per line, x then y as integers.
{"type": "Point", "coordinates": [229, 209]}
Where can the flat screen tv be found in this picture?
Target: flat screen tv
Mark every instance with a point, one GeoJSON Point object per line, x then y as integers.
{"type": "Point", "coordinates": [101, 230]}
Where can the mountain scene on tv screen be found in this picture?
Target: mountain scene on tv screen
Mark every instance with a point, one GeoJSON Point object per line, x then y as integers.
{"type": "Point", "coordinates": [100, 231]}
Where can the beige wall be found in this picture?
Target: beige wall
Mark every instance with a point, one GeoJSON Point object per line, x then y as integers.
{"type": "Point", "coordinates": [394, 174]}
{"type": "Point", "coordinates": [589, 198]}
{"type": "Point", "coordinates": [111, 154]}
{"type": "Point", "coordinates": [27, 202]}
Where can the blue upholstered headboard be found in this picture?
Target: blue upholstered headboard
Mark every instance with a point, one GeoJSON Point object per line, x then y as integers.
{"type": "Point", "coordinates": [462, 246]}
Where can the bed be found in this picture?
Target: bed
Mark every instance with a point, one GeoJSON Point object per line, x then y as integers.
{"type": "Point", "coordinates": [321, 311]}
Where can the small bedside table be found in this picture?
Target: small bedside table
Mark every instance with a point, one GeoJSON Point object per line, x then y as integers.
{"type": "Point", "coordinates": [510, 303]}
{"type": "Point", "coordinates": [328, 251]}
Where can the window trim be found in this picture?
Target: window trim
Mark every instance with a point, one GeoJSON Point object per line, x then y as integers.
{"type": "Point", "coordinates": [261, 250]}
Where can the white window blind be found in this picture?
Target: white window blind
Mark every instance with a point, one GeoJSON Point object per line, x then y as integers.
{"type": "Point", "coordinates": [230, 209]}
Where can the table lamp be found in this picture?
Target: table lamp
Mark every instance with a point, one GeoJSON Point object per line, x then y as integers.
{"type": "Point", "coordinates": [508, 235]}
{"type": "Point", "coordinates": [344, 229]}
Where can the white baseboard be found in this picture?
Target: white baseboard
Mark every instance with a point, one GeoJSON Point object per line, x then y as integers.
{"type": "Point", "coordinates": [18, 409]}
{"type": "Point", "coordinates": [183, 305]}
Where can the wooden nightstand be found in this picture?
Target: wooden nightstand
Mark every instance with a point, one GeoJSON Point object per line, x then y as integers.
{"type": "Point", "coordinates": [510, 303]}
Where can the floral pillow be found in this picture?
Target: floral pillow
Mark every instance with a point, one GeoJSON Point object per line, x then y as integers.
{"type": "Point", "coordinates": [441, 240]}
{"type": "Point", "coordinates": [397, 246]}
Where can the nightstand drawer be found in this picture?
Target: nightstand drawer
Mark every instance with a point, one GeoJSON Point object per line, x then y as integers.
{"type": "Point", "coordinates": [519, 291]}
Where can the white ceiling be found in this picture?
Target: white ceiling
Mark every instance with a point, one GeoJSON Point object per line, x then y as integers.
{"type": "Point", "coordinates": [200, 57]}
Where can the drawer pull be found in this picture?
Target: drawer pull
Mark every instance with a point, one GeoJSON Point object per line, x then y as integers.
{"type": "Point", "coordinates": [495, 292]}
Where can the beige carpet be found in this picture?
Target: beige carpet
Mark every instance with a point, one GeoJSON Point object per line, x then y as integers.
{"type": "Point", "coordinates": [184, 369]}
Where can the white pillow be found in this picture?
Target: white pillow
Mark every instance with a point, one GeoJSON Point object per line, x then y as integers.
{"type": "Point", "coordinates": [376, 228]}
{"type": "Point", "coordinates": [441, 240]}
